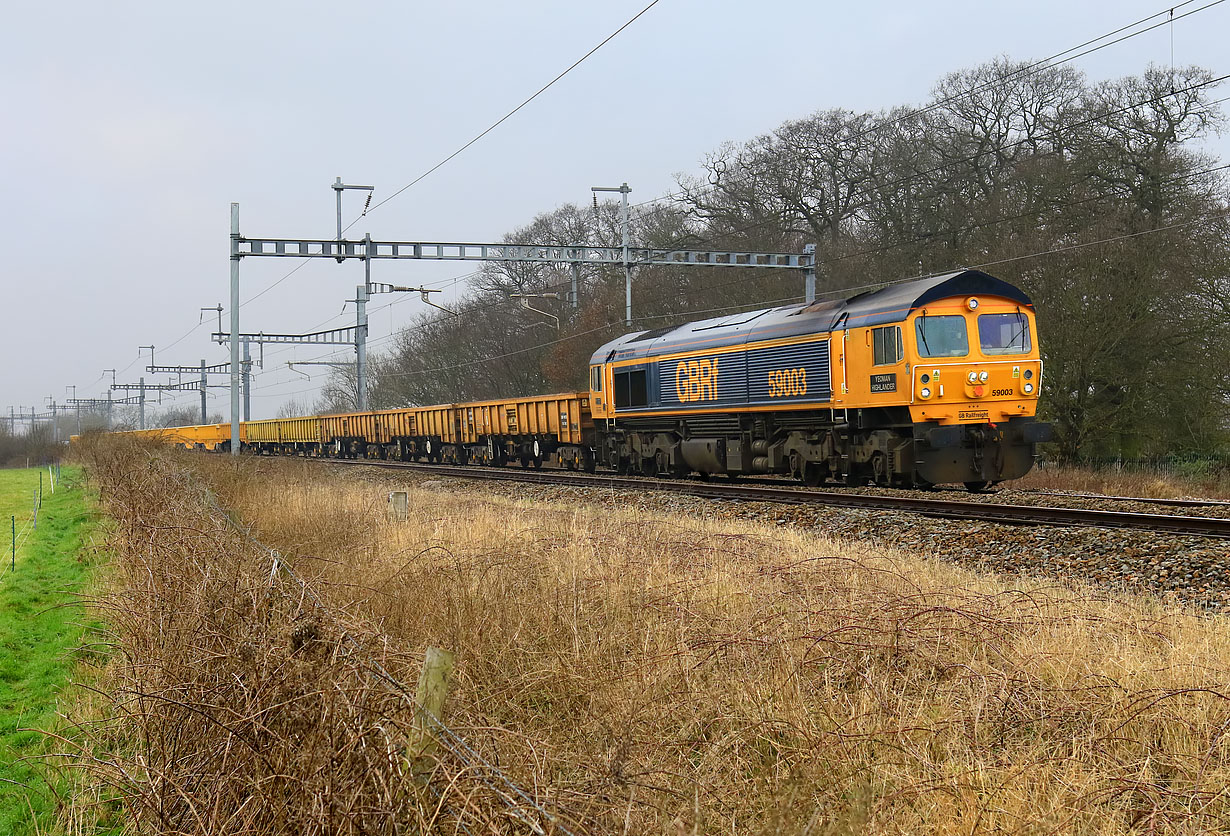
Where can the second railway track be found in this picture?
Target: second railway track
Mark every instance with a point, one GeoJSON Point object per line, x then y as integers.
{"type": "Point", "coordinates": [945, 508]}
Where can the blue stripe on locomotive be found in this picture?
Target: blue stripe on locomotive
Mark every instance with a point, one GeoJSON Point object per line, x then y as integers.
{"type": "Point", "coordinates": [811, 358]}
{"type": "Point", "coordinates": [743, 378]}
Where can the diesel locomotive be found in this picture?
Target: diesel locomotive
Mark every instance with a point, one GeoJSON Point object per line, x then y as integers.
{"type": "Point", "coordinates": [924, 382]}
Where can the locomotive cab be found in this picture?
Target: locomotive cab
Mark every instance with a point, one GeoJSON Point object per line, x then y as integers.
{"type": "Point", "coordinates": [973, 360]}
{"type": "Point", "coordinates": [974, 385]}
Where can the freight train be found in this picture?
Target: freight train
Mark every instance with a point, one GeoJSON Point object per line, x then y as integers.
{"type": "Point", "coordinates": [924, 382]}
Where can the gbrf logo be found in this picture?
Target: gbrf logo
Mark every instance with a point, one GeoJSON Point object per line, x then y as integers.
{"type": "Point", "coordinates": [696, 380]}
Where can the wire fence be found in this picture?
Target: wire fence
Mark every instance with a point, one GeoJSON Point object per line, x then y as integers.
{"type": "Point", "coordinates": [18, 538]}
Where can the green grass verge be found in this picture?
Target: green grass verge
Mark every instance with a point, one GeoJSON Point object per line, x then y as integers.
{"type": "Point", "coordinates": [17, 491]}
{"type": "Point", "coordinates": [41, 628]}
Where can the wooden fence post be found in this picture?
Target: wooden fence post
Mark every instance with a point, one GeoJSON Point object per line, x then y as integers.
{"type": "Point", "coordinates": [429, 712]}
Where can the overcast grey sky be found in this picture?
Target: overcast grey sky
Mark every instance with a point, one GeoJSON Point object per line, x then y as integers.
{"type": "Point", "coordinates": [131, 126]}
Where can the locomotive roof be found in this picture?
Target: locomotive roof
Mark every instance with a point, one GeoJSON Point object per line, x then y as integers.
{"type": "Point", "coordinates": [875, 307]}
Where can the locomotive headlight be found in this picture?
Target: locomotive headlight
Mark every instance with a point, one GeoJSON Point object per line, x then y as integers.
{"type": "Point", "coordinates": [924, 392]}
{"type": "Point", "coordinates": [926, 378]}
{"type": "Point", "coordinates": [971, 303]}
{"type": "Point", "coordinates": [983, 377]}
{"type": "Point", "coordinates": [1029, 373]}
{"type": "Point", "coordinates": [973, 377]}
{"type": "Point", "coordinates": [1029, 388]}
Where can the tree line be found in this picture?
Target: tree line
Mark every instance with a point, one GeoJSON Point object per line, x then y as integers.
{"type": "Point", "coordinates": [1093, 197]}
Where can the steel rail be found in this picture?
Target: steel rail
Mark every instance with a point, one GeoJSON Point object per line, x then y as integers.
{"type": "Point", "coordinates": [944, 508]}
{"type": "Point", "coordinates": [1147, 500]}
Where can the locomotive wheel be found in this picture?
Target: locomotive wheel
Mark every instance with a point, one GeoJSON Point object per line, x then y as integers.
{"type": "Point", "coordinates": [662, 464]}
{"type": "Point", "coordinates": [813, 476]}
{"type": "Point", "coordinates": [976, 486]}
{"type": "Point", "coordinates": [525, 462]}
{"type": "Point", "coordinates": [879, 470]}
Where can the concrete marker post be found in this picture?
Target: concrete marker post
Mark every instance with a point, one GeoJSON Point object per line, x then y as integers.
{"type": "Point", "coordinates": [429, 700]}
{"type": "Point", "coordinates": [13, 528]}
{"type": "Point", "coordinates": [399, 505]}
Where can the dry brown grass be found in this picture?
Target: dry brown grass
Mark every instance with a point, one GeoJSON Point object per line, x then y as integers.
{"type": "Point", "coordinates": [1156, 483]}
{"type": "Point", "coordinates": [633, 675]}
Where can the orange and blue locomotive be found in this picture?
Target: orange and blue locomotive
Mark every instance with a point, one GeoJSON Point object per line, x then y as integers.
{"type": "Point", "coordinates": [924, 382]}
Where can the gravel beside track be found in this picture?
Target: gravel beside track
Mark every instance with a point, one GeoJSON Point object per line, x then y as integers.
{"type": "Point", "coordinates": [1194, 569]}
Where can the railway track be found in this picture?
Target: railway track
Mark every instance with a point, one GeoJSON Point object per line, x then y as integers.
{"type": "Point", "coordinates": [931, 507]}
{"type": "Point", "coordinates": [1144, 500]}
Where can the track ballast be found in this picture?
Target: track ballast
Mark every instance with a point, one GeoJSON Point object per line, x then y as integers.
{"type": "Point", "coordinates": [945, 508]}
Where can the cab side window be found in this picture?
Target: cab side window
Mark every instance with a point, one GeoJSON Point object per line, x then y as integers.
{"type": "Point", "coordinates": [631, 388]}
{"type": "Point", "coordinates": [595, 378]}
{"type": "Point", "coordinates": [886, 345]}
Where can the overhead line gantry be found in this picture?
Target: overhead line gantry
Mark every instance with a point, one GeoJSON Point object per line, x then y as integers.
{"type": "Point", "coordinates": [368, 250]}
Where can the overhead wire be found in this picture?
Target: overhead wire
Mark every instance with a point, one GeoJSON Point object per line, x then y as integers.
{"type": "Point", "coordinates": [510, 113]}
{"type": "Point", "coordinates": [472, 141]}
{"type": "Point", "coordinates": [371, 312]}
{"type": "Point", "coordinates": [693, 241]}
{"type": "Point", "coordinates": [951, 163]}
{"type": "Point", "coordinates": [968, 228]}
{"type": "Point", "coordinates": [1042, 64]}
{"type": "Point", "coordinates": [1039, 254]}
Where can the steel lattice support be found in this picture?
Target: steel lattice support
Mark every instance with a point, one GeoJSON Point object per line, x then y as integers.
{"type": "Point", "coordinates": [368, 250]}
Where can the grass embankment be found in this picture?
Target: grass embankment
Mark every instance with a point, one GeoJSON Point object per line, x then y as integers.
{"type": "Point", "coordinates": [632, 675]}
{"type": "Point", "coordinates": [1158, 483]}
{"type": "Point", "coordinates": [40, 627]}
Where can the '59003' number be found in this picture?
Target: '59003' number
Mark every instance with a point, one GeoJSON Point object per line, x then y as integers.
{"type": "Point", "coordinates": [787, 383]}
